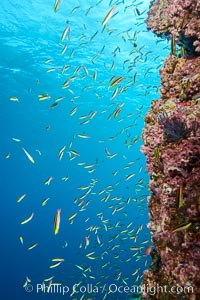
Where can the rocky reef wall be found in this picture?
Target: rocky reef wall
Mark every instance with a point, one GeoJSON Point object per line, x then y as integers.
{"type": "Point", "coordinates": [172, 147]}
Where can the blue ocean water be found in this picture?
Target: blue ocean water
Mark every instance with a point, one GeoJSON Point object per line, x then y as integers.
{"type": "Point", "coordinates": [86, 134]}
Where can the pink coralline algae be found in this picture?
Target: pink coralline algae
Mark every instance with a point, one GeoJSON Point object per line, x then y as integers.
{"type": "Point", "coordinates": [181, 78]}
{"type": "Point", "coordinates": [172, 147]}
{"type": "Point", "coordinates": [180, 18]}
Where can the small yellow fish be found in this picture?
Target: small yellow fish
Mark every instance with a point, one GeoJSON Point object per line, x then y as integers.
{"type": "Point", "coordinates": [58, 259]}
{"type": "Point", "coordinates": [73, 111]}
{"type": "Point", "coordinates": [26, 282]}
{"type": "Point", "coordinates": [115, 93]}
{"type": "Point", "coordinates": [56, 5]}
{"type": "Point", "coordinates": [59, 99]}
{"type": "Point", "coordinates": [83, 136]}
{"type": "Point", "coordinates": [108, 16]}
{"type": "Point", "coordinates": [72, 216]}
{"type": "Point", "coordinates": [79, 267]}
{"type": "Point", "coordinates": [57, 221]}
{"type": "Point", "coordinates": [116, 81]}
{"type": "Point", "coordinates": [129, 176]}
{"type": "Point", "coordinates": [136, 271]}
{"type": "Point", "coordinates": [86, 71]}
{"type": "Point", "coordinates": [182, 227]}
{"type": "Point", "coordinates": [95, 75]}
{"type": "Point", "coordinates": [51, 70]}
{"type": "Point", "coordinates": [67, 29]}
{"type": "Point", "coordinates": [45, 201]}
{"type": "Point", "coordinates": [116, 112]}
{"type": "Point", "coordinates": [32, 246]}
{"type": "Point", "coordinates": [134, 248]}
{"type": "Point", "coordinates": [75, 152]}
{"type": "Point", "coordinates": [48, 279]}
{"type": "Point", "coordinates": [91, 257]}
{"type": "Point", "coordinates": [48, 61]}
{"type": "Point", "coordinates": [28, 219]}
{"type": "Point", "coordinates": [21, 198]}
{"type": "Point", "coordinates": [65, 178]}
{"type": "Point", "coordinates": [28, 155]}
{"type": "Point", "coordinates": [48, 181]}
{"type": "Point", "coordinates": [42, 97]}
{"type": "Point", "coordinates": [92, 114]}
{"type": "Point", "coordinates": [64, 49]}
{"type": "Point", "coordinates": [60, 153]}
{"type": "Point", "coordinates": [89, 254]}
{"type": "Point", "coordinates": [75, 9]}
{"type": "Point", "coordinates": [21, 240]}
{"type": "Point", "coordinates": [15, 99]}
{"type": "Point", "coordinates": [56, 264]}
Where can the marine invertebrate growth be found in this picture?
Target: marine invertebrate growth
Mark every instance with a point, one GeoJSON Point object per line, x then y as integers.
{"type": "Point", "coordinates": [172, 147]}
{"type": "Point", "coordinates": [174, 128]}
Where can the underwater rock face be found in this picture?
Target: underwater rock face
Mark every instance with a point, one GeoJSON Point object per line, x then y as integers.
{"type": "Point", "coordinates": [178, 18]}
{"type": "Point", "coordinates": [172, 147]}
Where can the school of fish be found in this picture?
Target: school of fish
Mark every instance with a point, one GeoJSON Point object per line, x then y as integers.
{"type": "Point", "coordinates": [109, 211]}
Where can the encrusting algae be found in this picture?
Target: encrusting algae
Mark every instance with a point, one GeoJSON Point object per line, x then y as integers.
{"type": "Point", "coordinates": [172, 147]}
